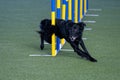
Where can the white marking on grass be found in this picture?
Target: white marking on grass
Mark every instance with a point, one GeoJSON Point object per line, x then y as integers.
{"type": "Point", "coordinates": [92, 15]}
{"type": "Point", "coordinates": [95, 9]}
{"type": "Point", "coordinates": [88, 29]}
{"type": "Point", "coordinates": [35, 55]}
{"type": "Point", "coordinates": [89, 21]}
{"type": "Point", "coordinates": [46, 43]}
{"type": "Point", "coordinates": [66, 50]}
{"type": "Point", "coordinates": [84, 38]}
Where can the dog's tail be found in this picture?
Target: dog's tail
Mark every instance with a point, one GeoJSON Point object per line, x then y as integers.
{"type": "Point", "coordinates": [39, 32]}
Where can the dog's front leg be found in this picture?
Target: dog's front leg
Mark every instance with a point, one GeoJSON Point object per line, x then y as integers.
{"type": "Point", "coordinates": [77, 50]}
{"type": "Point", "coordinates": [86, 51]}
{"type": "Point", "coordinates": [41, 33]}
{"type": "Point", "coordinates": [81, 53]}
{"type": "Point", "coordinates": [83, 46]}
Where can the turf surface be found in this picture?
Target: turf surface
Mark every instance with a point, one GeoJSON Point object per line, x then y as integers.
{"type": "Point", "coordinates": [19, 19]}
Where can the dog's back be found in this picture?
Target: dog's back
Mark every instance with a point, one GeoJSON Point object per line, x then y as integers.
{"type": "Point", "coordinates": [46, 31]}
{"type": "Point", "coordinates": [45, 25]}
{"type": "Point", "coordinates": [58, 29]}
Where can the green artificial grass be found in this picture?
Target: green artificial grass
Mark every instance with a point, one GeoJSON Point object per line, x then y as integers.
{"type": "Point", "coordinates": [19, 20]}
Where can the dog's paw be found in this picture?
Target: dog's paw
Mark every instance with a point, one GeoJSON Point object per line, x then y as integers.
{"type": "Point", "coordinates": [41, 46]}
{"type": "Point", "coordinates": [93, 60]}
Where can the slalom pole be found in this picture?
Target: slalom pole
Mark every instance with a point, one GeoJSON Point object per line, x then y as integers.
{"type": "Point", "coordinates": [81, 9]}
{"type": "Point", "coordinates": [53, 47]}
{"type": "Point", "coordinates": [66, 14]}
{"type": "Point", "coordinates": [85, 6]}
{"type": "Point", "coordinates": [69, 9]}
{"type": "Point", "coordinates": [76, 12]}
{"type": "Point", "coordinates": [63, 9]}
{"type": "Point", "coordinates": [73, 10]}
{"type": "Point", "coordinates": [58, 15]}
{"type": "Point", "coordinates": [63, 17]}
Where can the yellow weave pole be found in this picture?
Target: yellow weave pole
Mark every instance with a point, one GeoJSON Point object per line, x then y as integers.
{"type": "Point", "coordinates": [63, 11]}
{"type": "Point", "coordinates": [63, 17]}
{"type": "Point", "coordinates": [53, 44]}
{"type": "Point", "coordinates": [81, 9]}
{"type": "Point", "coordinates": [58, 3]}
{"type": "Point", "coordinates": [85, 8]}
{"type": "Point", "coordinates": [76, 11]}
{"type": "Point", "coordinates": [69, 9]}
{"type": "Point", "coordinates": [53, 38]}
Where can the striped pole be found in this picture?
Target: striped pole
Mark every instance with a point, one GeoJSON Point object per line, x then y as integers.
{"type": "Point", "coordinates": [85, 6]}
{"type": "Point", "coordinates": [76, 12]}
{"type": "Point", "coordinates": [63, 9]}
{"type": "Point", "coordinates": [53, 48]}
{"type": "Point", "coordinates": [73, 10]}
{"type": "Point", "coordinates": [58, 9]}
{"type": "Point", "coordinates": [58, 17]}
{"type": "Point", "coordinates": [66, 3]}
{"type": "Point", "coordinates": [81, 9]}
{"type": "Point", "coordinates": [69, 9]}
{"type": "Point", "coordinates": [63, 17]}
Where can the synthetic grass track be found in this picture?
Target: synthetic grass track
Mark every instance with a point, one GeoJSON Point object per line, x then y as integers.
{"type": "Point", "coordinates": [19, 19]}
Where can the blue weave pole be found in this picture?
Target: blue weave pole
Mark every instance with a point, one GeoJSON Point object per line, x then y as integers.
{"type": "Point", "coordinates": [79, 20]}
{"type": "Point", "coordinates": [66, 3]}
{"type": "Point", "coordinates": [58, 16]}
{"type": "Point", "coordinates": [53, 38]}
{"type": "Point", "coordinates": [83, 8]}
{"type": "Point", "coordinates": [87, 5]}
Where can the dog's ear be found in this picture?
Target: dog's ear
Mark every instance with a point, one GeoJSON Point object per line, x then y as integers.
{"type": "Point", "coordinates": [82, 25]}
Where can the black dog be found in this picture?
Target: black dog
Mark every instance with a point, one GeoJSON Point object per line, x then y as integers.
{"type": "Point", "coordinates": [70, 31]}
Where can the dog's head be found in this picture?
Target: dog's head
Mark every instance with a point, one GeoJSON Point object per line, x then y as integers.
{"type": "Point", "coordinates": [75, 30]}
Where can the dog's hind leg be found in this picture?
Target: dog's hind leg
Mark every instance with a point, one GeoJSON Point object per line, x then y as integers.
{"type": "Point", "coordinates": [42, 39]}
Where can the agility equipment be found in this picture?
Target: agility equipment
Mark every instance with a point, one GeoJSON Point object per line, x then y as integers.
{"type": "Point", "coordinates": [67, 10]}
